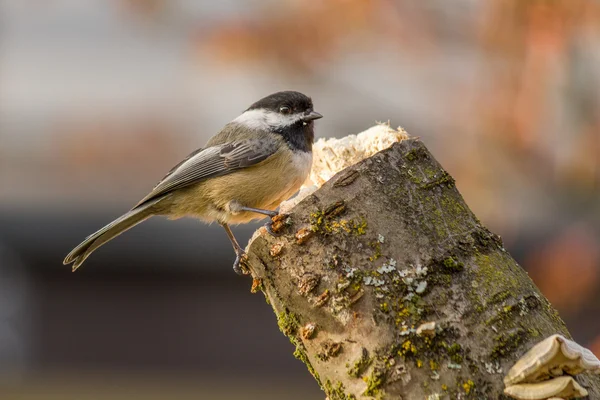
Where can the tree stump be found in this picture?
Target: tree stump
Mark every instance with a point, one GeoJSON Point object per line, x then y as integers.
{"type": "Point", "coordinates": [390, 287]}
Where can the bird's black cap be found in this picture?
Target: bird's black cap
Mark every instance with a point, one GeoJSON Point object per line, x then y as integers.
{"type": "Point", "coordinates": [296, 101]}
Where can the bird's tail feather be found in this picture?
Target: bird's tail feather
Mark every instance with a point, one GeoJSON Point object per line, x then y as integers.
{"type": "Point", "coordinates": [139, 214]}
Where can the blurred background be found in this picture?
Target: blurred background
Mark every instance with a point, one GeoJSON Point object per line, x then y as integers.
{"type": "Point", "coordinates": [99, 98]}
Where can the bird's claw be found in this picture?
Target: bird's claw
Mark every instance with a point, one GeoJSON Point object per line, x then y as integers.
{"type": "Point", "coordinates": [276, 224]}
{"type": "Point", "coordinates": [269, 228]}
{"type": "Point", "coordinates": [239, 265]}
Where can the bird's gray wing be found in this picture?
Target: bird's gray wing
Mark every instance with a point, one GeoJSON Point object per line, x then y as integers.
{"type": "Point", "coordinates": [213, 161]}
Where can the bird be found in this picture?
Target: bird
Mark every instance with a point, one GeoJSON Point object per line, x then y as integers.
{"type": "Point", "coordinates": [244, 172]}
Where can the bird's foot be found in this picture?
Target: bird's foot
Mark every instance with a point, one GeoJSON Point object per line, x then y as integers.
{"type": "Point", "coordinates": [276, 224]}
{"type": "Point", "coordinates": [239, 265]}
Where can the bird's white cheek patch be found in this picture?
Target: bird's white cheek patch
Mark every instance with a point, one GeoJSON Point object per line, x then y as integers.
{"type": "Point", "coordinates": [253, 119]}
{"type": "Point", "coordinates": [265, 120]}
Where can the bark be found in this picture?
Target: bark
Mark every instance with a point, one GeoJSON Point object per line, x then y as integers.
{"type": "Point", "coordinates": [382, 248]}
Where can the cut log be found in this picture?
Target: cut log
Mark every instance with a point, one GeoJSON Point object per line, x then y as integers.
{"type": "Point", "coordinates": [389, 286]}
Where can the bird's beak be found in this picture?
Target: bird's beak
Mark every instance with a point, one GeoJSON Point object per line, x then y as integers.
{"type": "Point", "coordinates": [311, 116]}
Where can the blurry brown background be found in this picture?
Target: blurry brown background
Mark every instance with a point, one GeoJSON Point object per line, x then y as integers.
{"type": "Point", "coordinates": [99, 98]}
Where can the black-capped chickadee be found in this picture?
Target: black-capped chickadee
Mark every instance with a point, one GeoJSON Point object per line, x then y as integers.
{"type": "Point", "coordinates": [254, 163]}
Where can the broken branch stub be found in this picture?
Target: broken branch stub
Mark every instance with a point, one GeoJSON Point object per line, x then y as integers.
{"type": "Point", "coordinates": [399, 291]}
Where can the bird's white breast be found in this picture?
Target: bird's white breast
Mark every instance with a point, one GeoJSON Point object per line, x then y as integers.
{"type": "Point", "coordinates": [302, 163]}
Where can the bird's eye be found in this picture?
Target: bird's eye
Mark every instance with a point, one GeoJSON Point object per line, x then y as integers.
{"type": "Point", "coordinates": [284, 109]}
